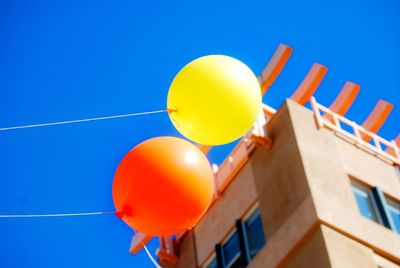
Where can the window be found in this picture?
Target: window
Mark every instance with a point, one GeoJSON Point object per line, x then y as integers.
{"type": "Point", "coordinates": [375, 206]}
{"type": "Point", "coordinates": [246, 241]}
{"type": "Point", "coordinates": [366, 202]}
{"type": "Point", "coordinates": [255, 233]}
{"type": "Point", "coordinates": [394, 214]}
{"type": "Point", "coordinates": [231, 251]}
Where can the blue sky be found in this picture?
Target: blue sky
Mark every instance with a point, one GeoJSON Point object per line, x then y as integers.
{"type": "Point", "coordinates": [62, 60]}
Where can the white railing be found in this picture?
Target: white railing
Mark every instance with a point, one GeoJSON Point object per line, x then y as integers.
{"type": "Point", "coordinates": [387, 150]}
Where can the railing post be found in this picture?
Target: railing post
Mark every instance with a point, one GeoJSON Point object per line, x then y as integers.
{"type": "Point", "coordinates": [356, 132]}
{"type": "Point", "coordinates": [317, 115]}
{"type": "Point", "coordinates": [377, 143]}
{"type": "Point", "coordinates": [336, 121]}
{"type": "Point", "coordinates": [258, 127]}
{"type": "Point", "coordinates": [396, 150]}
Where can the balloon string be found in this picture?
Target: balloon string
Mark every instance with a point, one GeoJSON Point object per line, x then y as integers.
{"type": "Point", "coordinates": [76, 214]}
{"type": "Point", "coordinates": [87, 119]}
{"type": "Point", "coordinates": [151, 257]}
{"type": "Point", "coordinates": [55, 215]}
{"type": "Point", "coordinates": [73, 215]}
{"type": "Point", "coordinates": [149, 254]}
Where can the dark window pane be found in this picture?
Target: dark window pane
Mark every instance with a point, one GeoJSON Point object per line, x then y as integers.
{"type": "Point", "coordinates": [365, 202]}
{"type": "Point", "coordinates": [231, 251]}
{"type": "Point", "coordinates": [255, 233]}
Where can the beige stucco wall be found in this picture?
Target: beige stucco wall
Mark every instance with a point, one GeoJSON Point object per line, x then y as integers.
{"type": "Point", "coordinates": [312, 253]}
{"type": "Point", "coordinates": [222, 215]}
{"type": "Point", "coordinates": [187, 252]}
{"type": "Point", "coordinates": [321, 159]}
{"type": "Point", "coordinates": [368, 168]}
{"type": "Point", "coordinates": [384, 263]}
{"type": "Point", "coordinates": [280, 245]}
{"type": "Point", "coordinates": [346, 253]}
{"type": "Point", "coordinates": [327, 163]}
{"type": "Point", "coordinates": [328, 248]}
{"type": "Point", "coordinates": [279, 174]}
{"type": "Point", "coordinates": [304, 192]}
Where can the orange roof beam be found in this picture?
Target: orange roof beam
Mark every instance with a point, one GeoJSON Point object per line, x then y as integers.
{"type": "Point", "coordinates": [345, 98]}
{"type": "Point", "coordinates": [274, 67]}
{"type": "Point", "coordinates": [310, 84]}
{"type": "Point", "coordinates": [137, 242]}
{"type": "Point", "coordinates": [376, 118]}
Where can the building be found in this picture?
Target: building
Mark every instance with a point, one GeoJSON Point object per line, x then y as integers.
{"type": "Point", "coordinates": [305, 188]}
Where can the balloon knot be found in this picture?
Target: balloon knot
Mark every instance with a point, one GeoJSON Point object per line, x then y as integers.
{"type": "Point", "coordinates": [125, 211]}
{"type": "Point", "coordinates": [120, 214]}
{"type": "Point", "coordinates": [171, 110]}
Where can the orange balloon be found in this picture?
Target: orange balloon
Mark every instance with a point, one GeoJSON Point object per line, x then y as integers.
{"type": "Point", "coordinates": [163, 186]}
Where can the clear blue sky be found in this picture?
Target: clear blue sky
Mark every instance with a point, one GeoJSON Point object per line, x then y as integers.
{"type": "Point", "coordinates": [62, 60]}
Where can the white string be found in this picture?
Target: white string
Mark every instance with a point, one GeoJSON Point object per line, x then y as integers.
{"type": "Point", "coordinates": [13, 216]}
{"type": "Point", "coordinates": [151, 257]}
{"type": "Point", "coordinates": [83, 213]}
{"type": "Point", "coordinates": [55, 215]}
{"type": "Point", "coordinates": [84, 120]}
{"type": "Point", "coordinates": [148, 253]}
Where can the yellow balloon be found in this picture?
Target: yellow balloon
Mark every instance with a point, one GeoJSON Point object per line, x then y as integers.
{"type": "Point", "coordinates": [216, 100]}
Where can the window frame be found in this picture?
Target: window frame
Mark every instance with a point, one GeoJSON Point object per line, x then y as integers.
{"type": "Point", "coordinates": [237, 256]}
{"type": "Point", "coordinates": [240, 229]}
{"type": "Point", "coordinates": [251, 216]}
{"type": "Point", "coordinates": [219, 249]}
{"type": "Point", "coordinates": [393, 205]}
{"type": "Point", "coordinates": [365, 190]}
{"type": "Point", "coordinates": [381, 204]}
